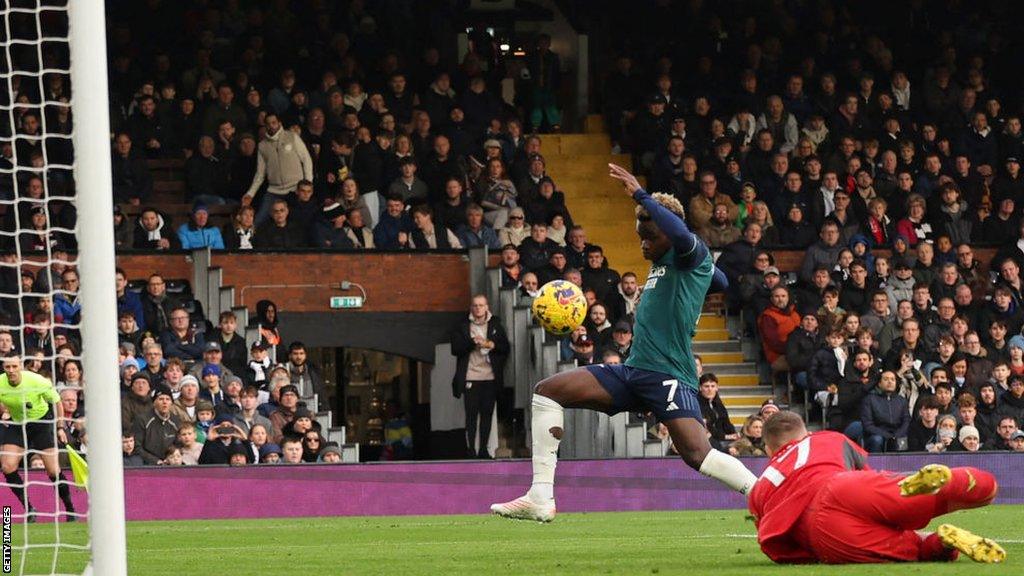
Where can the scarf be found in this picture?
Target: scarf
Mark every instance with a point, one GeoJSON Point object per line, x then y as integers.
{"type": "Point", "coordinates": [244, 238]}
{"type": "Point", "coordinates": [259, 369]}
{"type": "Point", "coordinates": [154, 235]}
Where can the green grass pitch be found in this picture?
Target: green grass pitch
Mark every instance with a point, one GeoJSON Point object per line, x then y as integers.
{"type": "Point", "coordinates": [632, 543]}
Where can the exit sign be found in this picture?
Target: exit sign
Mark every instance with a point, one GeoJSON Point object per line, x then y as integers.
{"type": "Point", "coordinates": [346, 302]}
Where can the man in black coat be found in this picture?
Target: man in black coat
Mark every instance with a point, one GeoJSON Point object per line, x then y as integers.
{"type": "Point", "coordinates": [737, 258]}
{"type": "Point", "coordinates": [279, 231]}
{"type": "Point", "coordinates": [481, 347]}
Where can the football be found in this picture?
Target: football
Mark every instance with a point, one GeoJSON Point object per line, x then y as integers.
{"type": "Point", "coordinates": [560, 307]}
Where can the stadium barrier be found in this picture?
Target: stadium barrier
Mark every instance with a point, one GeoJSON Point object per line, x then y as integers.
{"type": "Point", "coordinates": [455, 487]}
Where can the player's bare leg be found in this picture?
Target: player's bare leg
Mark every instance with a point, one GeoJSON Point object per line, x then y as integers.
{"type": "Point", "coordinates": [691, 441]}
{"type": "Point", "coordinates": [10, 462]}
{"type": "Point", "coordinates": [573, 389]}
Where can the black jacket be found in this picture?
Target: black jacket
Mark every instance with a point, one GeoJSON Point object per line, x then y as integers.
{"type": "Point", "coordinates": [270, 236]}
{"type": "Point", "coordinates": [716, 418]}
{"type": "Point", "coordinates": [462, 345]}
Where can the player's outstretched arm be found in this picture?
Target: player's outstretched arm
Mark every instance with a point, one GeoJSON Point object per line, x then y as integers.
{"type": "Point", "coordinates": [687, 244]}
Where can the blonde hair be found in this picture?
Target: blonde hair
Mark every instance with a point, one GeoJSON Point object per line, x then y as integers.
{"type": "Point", "coordinates": [667, 200]}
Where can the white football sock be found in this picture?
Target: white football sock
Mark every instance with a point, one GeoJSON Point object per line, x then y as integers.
{"type": "Point", "coordinates": [546, 426]}
{"type": "Point", "coordinates": [728, 470]}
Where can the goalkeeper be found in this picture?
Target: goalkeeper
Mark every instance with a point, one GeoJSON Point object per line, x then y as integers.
{"type": "Point", "coordinates": [28, 403]}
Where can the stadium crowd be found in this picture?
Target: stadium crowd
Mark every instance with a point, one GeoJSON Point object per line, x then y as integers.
{"type": "Point", "coordinates": [888, 155]}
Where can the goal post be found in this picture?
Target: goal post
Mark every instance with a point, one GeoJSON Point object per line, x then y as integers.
{"type": "Point", "coordinates": [92, 172]}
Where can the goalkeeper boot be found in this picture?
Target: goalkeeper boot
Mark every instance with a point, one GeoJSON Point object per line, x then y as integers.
{"type": "Point", "coordinates": [976, 547]}
{"type": "Point", "coordinates": [523, 508]}
{"type": "Point", "coordinates": [928, 480]}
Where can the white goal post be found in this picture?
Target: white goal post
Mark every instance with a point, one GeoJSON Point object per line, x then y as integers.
{"type": "Point", "coordinates": [91, 138]}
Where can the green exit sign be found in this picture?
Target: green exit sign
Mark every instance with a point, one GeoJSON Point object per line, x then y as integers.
{"type": "Point", "coordinates": [346, 302]}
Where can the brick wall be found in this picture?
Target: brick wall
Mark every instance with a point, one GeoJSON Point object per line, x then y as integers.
{"type": "Point", "coordinates": [398, 282]}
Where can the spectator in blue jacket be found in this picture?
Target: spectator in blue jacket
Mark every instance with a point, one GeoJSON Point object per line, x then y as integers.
{"type": "Point", "coordinates": [885, 415]}
{"type": "Point", "coordinates": [66, 304]}
{"type": "Point", "coordinates": [196, 233]}
{"type": "Point", "coordinates": [475, 232]}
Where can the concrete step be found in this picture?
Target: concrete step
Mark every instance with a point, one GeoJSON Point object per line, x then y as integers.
{"type": "Point", "coordinates": [721, 357]}
{"type": "Point", "coordinates": [734, 368]}
{"type": "Point", "coordinates": [594, 124]}
{"type": "Point", "coordinates": [711, 335]}
{"type": "Point", "coordinates": [738, 390]}
{"type": "Point", "coordinates": [744, 401]}
{"type": "Point", "coordinates": [721, 346]}
{"type": "Point", "coordinates": [738, 379]}
{"type": "Point", "coordinates": [711, 321]}
{"type": "Point", "coordinates": [568, 144]}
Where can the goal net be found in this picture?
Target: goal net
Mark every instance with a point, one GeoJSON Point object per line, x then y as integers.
{"type": "Point", "coordinates": [60, 390]}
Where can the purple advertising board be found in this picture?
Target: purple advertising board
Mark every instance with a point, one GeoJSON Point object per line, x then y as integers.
{"type": "Point", "coordinates": [160, 493]}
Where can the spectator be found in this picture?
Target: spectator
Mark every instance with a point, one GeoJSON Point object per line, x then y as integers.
{"type": "Point", "coordinates": [535, 251]}
{"type": "Point", "coordinates": [801, 346]}
{"type": "Point", "coordinates": [481, 348]}
{"type": "Point", "coordinates": [576, 247]}
{"type": "Point", "coordinates": [886, 416]}
{"type": "Point", "coordinates": [545, 73]}
{"type": "Point", "coordinates": [191, 449]}
{"type": "Point", "coordinates": [828, 366]}
{"type": "Point", "coordinates": [623, 301]}
{"type": "Point", "coordinates": [291, 448]}
{"type": "Point", "coordinates": [774, 327]}
{"type": "Point", "coordinates": [737, 259]}
{"type": "Point", "coordinates": [232, 346]}
{"type": "Point", "coordinates": [153, 231]}
{"type": "Point", "coordinates": [156, 429]}
{"type": "Point", "coordinates": [279, 232]}
{"type": "Point", "coordinates": [258, 370]}
{"type": "Point", "coordinates": [182, 339]}
{"type": "Point", "coordinates": [186, 404]}
{"type": "Point", "coordinates": [451, 212]}
{"type": "Point", "coordinates": [703, 205]}
{"type": "Point", "coordinates": [197, 234]}
{"type": "Point", "coordinates": [922, 430]}
{"type": "Point", "coordinates": [286, 411]}
{"type": "Point", "coordinates": [131, 178]}
{"type": "Point", "coordinates": [127, 300]}
{"type": "Point", "coordinates": [428, 236]}
{"type": "Point", "coordinates": [597, 275]}
{"type": "Point", "coordinates": [357, 231]}
{"type": "Point", "coordinates": [241, 232]}
{"type": "Point", "coordinates": [621, 340]}
{"type": "Point", "coordinates": [475, 232]}
{"type": "Point", "coordinates": [331, 232]}
{"type": "Point", "coordinates": [392, 232]}
{"type": "Point", "coordinates": [843, 403]}
{"type": "Point", "coordinates": [224, 440]}
{"type": "Point", "coordinates": [303, 375]}
{"type": "Point", "coordinates": [225, 109]}
{"type": "Point", "coordinates": [407, 186]}
{"type": "Point", "coordinates": [213, 355]}
{"type": "Point", "coordinates": [282, 161]}
{"type": "Point", "coordinates": [750, 442]}
{"type": "Point", "coordinates": [157, 305]}
{"type": "Point", "coordinates": [714, 412]}
{"type": "Point", "coordinates": [212, 377]}
{"type": "Point", "coordinates": [129, 451]}
{"type": "Point", "coordinates": [206, 175]}
{"type": "Point", "coordinates": [1005, 430]}
{"type": "Point", "coordinates": [720, 230]}
{"type": "Point", "coordinates": [970, 439]}
{"type": "Point", "coordinates": [823, 253]}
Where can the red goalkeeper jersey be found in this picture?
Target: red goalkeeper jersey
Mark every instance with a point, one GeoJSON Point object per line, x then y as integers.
{"type": "Point", "coordinates": [793, 478]}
